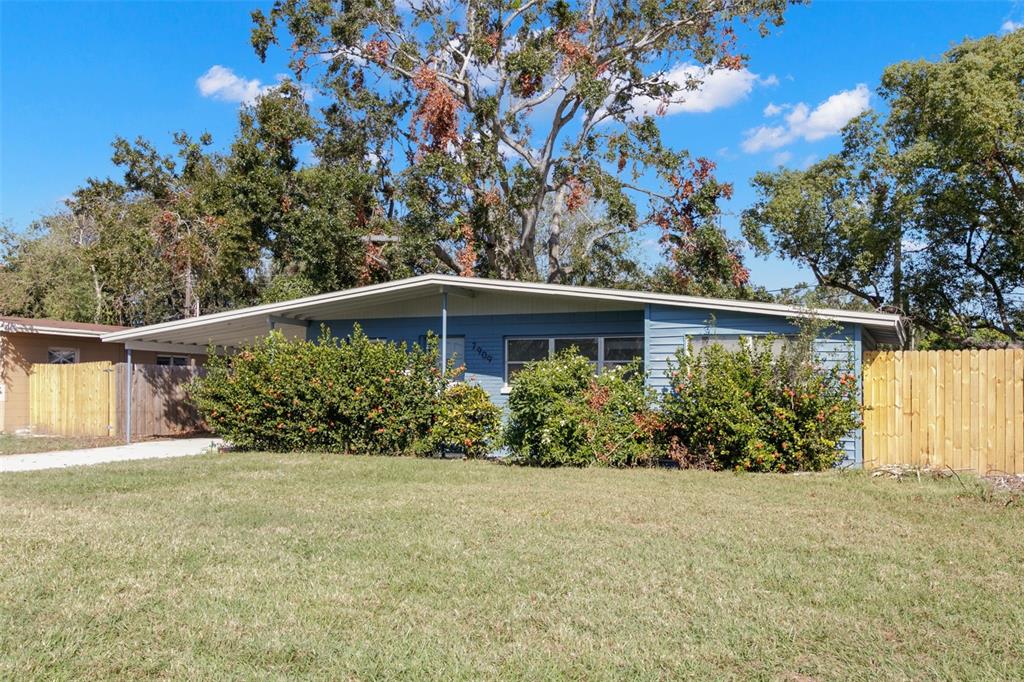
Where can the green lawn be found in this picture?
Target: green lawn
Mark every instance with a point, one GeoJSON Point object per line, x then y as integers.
{"type": "Point", "coordinates": [273, 566]}
{"type": "Point", "coordinates": [19, 445]}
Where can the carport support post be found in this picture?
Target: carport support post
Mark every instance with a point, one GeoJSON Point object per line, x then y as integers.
{"type": "Point", "coordinates": [444, 332]}
{"type": "Point", "coordinates": [128, 398]}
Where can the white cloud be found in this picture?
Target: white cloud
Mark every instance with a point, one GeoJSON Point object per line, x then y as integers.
{"type": "Point", "coordinates": [772, 110]}
{"type": "Point", "coordinates": [222, 83]}
{"type": "Point", "coordinates": [781, 158]}
{"type": "Point", "coordinates": [1010, 26]}
{"type": "Point", "coordinates": [721, 88]}
{"type": "Point", "coordinates": [766, 137]}
{"type": "Point", "coordinates": [803, 123]}
{"type": "Point", "coordinates": [771, 81]}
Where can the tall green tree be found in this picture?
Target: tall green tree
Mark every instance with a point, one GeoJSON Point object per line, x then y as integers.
{"type": "Point", "coordinates": [490, 124]}
{"type": "Point", "coordinates": [922, 212]}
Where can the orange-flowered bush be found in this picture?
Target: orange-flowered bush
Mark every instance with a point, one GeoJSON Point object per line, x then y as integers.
{"type": "Point", "coordinates": [757, 409]}
{"type": "Point", "coordinates": [338, 395]}
{"type": "Point", "coordinates": [560, 414]}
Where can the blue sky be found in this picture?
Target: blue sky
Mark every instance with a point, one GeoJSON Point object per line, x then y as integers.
{"type": "Point", "coordinates": [75, 74]}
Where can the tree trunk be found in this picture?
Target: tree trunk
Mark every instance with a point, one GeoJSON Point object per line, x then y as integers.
{"type": "Point", "coordinates": [554, 245]}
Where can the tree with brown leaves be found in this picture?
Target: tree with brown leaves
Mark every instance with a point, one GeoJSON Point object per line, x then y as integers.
{"type": "Point", "coordinates": [486, 118]}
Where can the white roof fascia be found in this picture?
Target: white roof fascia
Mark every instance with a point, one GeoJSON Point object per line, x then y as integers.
{"type": "Point", "coordinates": [12, 328]}
{"type": "Point", "coordinates": [297, 306]}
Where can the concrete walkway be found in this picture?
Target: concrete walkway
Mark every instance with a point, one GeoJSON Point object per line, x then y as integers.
{"type": "Point", "coordinates": [153, 449]}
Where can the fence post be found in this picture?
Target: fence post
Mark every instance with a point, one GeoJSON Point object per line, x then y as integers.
{"type": "Point", "coordinates": [128, 394]}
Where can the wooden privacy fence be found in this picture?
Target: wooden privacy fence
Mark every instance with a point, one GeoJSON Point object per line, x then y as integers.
{"type": "Point", "coordinates": [73, 400]}
{"type": "Point", "coordinates": [962, 409]}
{"type": "Point", "coordinates": [91, 399]}
{"type": "Point", "coordinates": [159, 404]}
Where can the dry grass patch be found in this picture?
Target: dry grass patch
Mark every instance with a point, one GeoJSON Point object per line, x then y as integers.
{"type": "Point", "coordinates": [282, 566]}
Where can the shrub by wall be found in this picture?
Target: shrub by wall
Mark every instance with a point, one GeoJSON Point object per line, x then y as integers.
{"type": "Point", "coordinates": [466, 421]}
{"type": "Point", "coordinates": [560, 414]}
{"type": "Point", "coordinates": [351, 395]}
{"type": "Point", "coordinates": [755, 410]}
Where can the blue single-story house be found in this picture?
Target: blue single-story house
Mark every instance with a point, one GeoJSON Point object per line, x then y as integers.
{"type": "Point", "coordinates": [493, 327]}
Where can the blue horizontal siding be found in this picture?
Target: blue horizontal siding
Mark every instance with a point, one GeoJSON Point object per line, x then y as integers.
{"type": "Point", "coordinates": [667, 329]}
{"type": "Point", "coordinates": [485, 335]}
{"type": "Point", "coordinates": [664, 329]}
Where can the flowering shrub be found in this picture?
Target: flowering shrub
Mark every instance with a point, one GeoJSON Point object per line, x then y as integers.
{"type": "Point", "coordinates": [560, 414]}
{"type": "Point", "coordinates": [467, 421]}
{"type": "Point", "coordinates": [352, 395]}
{"type": "Point", "coordinates": [619, 424]}
{"type": "Point", "coordinates": [754, 410]}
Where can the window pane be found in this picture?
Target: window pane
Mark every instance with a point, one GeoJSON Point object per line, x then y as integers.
{"type": "Point", "coordinates": [779, 345]}
{"type": "Point", "coordinates": [585, 347]}
{"type": "Point", "coordinates": [163, 360]}
{"type": "Point", "coordinates": [59, 356]}
{"type": "Point", "coordinates": [613, 365]}
{"type": "Point", "coordinates": [623, 349]}
{"type": "Point", "coordinates": [514, 367]}
{"type": "Point", "coordinates": [524, 350]}
{"type": "Point", "coordinates": [180, 362]}
{"type": "Point", "coordinates": [730, 342]}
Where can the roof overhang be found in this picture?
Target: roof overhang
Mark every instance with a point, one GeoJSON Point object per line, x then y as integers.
{"type": "Point", "coordinates": [237, 327]}
{"type": "Point", "coordinates": [27, 328]}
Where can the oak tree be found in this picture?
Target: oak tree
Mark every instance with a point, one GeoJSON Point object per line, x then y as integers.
{"type": "Point", "coordinates": [922, 212]}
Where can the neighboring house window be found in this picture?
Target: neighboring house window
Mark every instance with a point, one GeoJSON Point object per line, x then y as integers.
{"type": "Point", "coordinates": [62, 356]}
{"type": "Point", "coordinates": [172, 360]}
{"type": "Point", "coordinates": [604, 352]}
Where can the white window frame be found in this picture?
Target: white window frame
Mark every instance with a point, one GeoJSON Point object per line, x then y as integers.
{"type": "Point", "coordinates": [551, 347]}
{"type": "Point", "coordinates": [62, 349]}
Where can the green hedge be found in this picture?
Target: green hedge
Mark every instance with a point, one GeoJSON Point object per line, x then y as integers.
{"type": "Point", "coordinates": [352, 395]}
{"type": "Point", "coordinates": [561, 414]}
{"type": "Point", "coordinates": [752, 409]}
{"type": "Point", "coordinates": [758, 410]}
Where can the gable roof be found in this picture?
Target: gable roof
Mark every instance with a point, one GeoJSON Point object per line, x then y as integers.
{"type": "Point", "coordinates": [28, 325]}
{"type": "Point", "coordinates": [245, 323]}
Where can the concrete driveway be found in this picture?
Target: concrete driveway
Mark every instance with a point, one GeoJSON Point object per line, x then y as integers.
{"type": "Point", "coordinates": [153, 449]}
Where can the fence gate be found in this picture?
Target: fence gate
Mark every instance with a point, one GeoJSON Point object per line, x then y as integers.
{"type": "Point", "coordinates": [160, 406]}
{"type": "Point", "coordinates": [962, 409]}
{"type": "Point", "coordinates": [73, 400]}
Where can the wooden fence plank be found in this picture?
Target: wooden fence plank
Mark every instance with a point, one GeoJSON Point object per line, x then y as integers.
{"type": "Point", "coordinates": [962, 409]}
{"type": "Point", "coordinates": [159, 404]}
{"type": "Point", "coordinates": [871, 388]}
{"type": "Point", "coordinates": [1018, 420]}
{"type": "Point", "coordinates": [1011, 412]}
{"type": "Point", "coordinates": [956, 412]}
{"type": "Point", "coordinates": [1018, 412]}
{"type": "Point", "coordinates": [87, 399]}
{"type": "Point", "coordinates": [71, 400]}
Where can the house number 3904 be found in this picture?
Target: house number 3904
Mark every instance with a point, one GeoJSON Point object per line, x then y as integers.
{"type": "Point", "coordinates": [481, 352]}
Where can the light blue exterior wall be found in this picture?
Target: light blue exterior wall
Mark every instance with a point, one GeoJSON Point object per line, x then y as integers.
{"type": "Point", "coordinates": [485, 335]}
{"type": "Point", "coordinates": [666, 330]}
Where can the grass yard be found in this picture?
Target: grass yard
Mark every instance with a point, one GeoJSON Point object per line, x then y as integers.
{"type": "Point", "coordinates": [21, 445]}
{"type": "Point", "coordinates": [274, 566]}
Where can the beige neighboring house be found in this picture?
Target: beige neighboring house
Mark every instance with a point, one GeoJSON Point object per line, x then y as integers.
{"type": "Point", "coordinates": [25, 342]}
